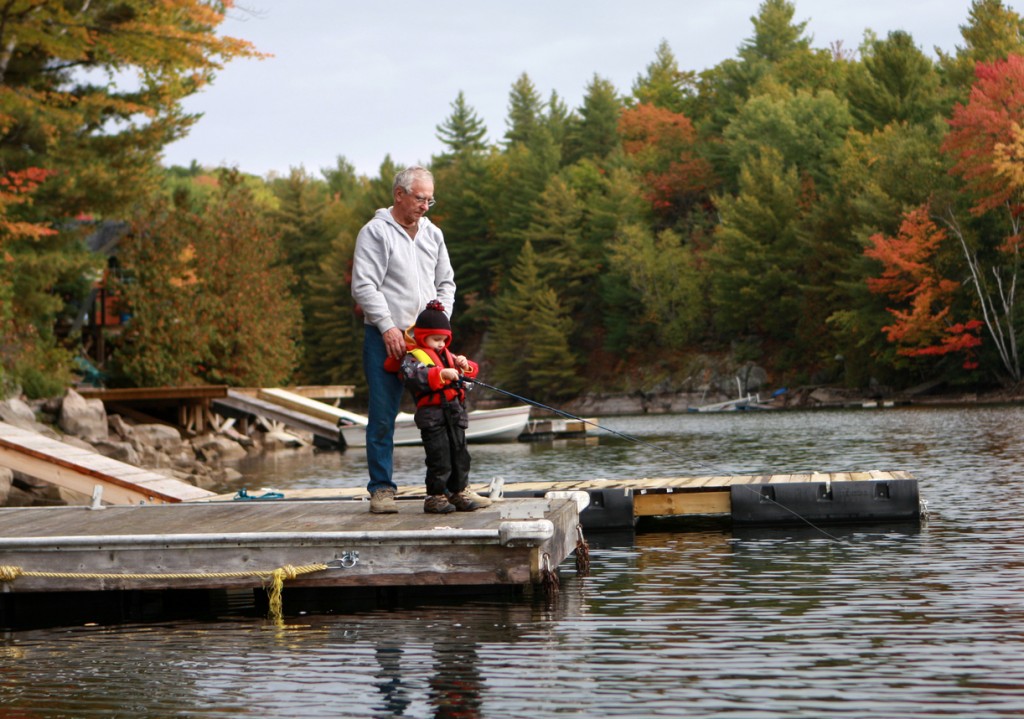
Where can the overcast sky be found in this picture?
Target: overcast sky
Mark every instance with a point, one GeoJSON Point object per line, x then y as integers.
{"type": "Point", "coordinates": [363, 79]}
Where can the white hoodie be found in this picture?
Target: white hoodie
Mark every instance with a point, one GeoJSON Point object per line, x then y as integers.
{"type": "Point", "coordinates": [395, 276]}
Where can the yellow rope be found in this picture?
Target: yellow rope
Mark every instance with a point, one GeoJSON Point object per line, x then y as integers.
{"type": "Point", "coordinates": [277, 578]}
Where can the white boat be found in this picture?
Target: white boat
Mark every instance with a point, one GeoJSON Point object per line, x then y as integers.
{"type": "Point", "coordinates": [485, 425]}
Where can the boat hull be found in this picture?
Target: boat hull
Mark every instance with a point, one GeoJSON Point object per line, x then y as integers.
{"type": "Point", "coordinates": [485, 425]}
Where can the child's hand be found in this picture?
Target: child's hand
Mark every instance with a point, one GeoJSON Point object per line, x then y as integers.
{"type": "Point", "coordinates": [462, 362]}
{"type": "Point", "coordinates": [449, 374]}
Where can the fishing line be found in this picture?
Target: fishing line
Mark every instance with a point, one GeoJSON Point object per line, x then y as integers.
{"type": "Point", "coordinates": [637, 440]}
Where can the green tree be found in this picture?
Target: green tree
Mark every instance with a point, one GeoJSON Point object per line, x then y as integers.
{"type": "Point", "coordinates": [466, 211]}
{"type": "Point", "coordinates": [462, 132]}
{"type": "Point", "coordinates": [895, 82]}
{"type": "Point", "coordinates": [664, 85]}
{"type": "Point", "coordinates": [333, 323]}
{"type": "Point", "coordinates": [555, 233]}
{"type": "Point", "coordinates": [807, 130]}
{"type": "Point", "coordinates": [208, 297]}
{"type": "Point", "coordinates": [528, 344]}
{"type": "Point", "coordinates": [663, 272]}
{"type": "Point", "coordinates": [525, 112]}
{"type": "Point", "coordinates": [754, 265]}
{"type": "Point", "coordinates": [596, 132]}
{"type": "Point", "coordinates": [166, 340]}
{"type": "Point", "coordinates": [558, 119]}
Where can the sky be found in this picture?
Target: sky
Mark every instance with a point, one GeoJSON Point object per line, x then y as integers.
{"type": "Point", "coordinates": [362, 79]}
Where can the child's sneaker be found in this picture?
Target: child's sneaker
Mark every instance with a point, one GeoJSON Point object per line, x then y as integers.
{"type": "Point", "coordinates": [438, 504]}
{"type": "Point", "coordinates": [463, 502]}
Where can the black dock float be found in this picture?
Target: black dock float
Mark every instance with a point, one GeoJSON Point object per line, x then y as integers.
{"type": "Point", "coordinates": [893, 500]}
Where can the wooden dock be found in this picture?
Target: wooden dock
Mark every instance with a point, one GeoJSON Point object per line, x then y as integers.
{"type": "Point", "coordinates": [241, 544]}
{"type": "Point", "coordinates": [254, 406]}
{"type": "Point", "coordinates": [83, 470]}
{"type": "Point", "coordinates": [546, 430]}
{"type": "Point", "coordinates": [615, 504]}
{"type": "Point", "coordinates": [197, 409]}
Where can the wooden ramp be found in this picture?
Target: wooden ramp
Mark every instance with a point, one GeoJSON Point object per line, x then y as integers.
{"type": "Point", "coordinates": [310, 406]}
{"type": "Point", "coordinates": [243, 405]}
{"type": "Point", "coordinates": [83, 470]}
{"type": "Point", "coordinates": [239, 544]}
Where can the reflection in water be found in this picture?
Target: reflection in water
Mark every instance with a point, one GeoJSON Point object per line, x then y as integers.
{"type": "Point", "coordinates": [864, 621]}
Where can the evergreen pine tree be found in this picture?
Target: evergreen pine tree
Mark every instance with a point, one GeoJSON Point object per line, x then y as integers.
{"type": "Point", "coordinates": [528, 343]}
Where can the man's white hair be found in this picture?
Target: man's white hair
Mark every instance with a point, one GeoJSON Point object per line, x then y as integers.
{"type": "Point", "coordinates": [406, 177]}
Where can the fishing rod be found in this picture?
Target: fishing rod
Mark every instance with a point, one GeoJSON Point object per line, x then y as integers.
{"type": "Point", "coordinates": [637, 440]}
{"type": "Point", "coordinates": [567, 415]}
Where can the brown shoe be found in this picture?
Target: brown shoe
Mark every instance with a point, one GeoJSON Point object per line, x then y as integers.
{"type": "Point", "coordinates": [463, 502]}
{"type": "Point", "coordinates": [437, 504]}
{"type": "Point", "coordinates": [383, 502]}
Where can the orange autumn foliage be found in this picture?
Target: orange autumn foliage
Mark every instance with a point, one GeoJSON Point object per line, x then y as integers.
{"type": "Point", "coordinates": [662, 143]}
{"type": "Point", "coordinates": [921, 324]}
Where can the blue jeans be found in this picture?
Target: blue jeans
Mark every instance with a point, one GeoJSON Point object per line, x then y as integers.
{"type": "Point", "coordinates": [385, 399]}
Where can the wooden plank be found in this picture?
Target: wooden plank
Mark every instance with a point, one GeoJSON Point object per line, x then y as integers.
{"type": "Point", "coordinates": [154, 393]}
{"type": "Point", "coordinates": [312, 407]}
{"type": "Point", "coordinates": [239, 403]}
{"type": "Point", "coordinates": [333, 391]}
{"type": "Point", "coordinates": [80, 470]}
{"type": "Point", "coordinates": [681, 504]}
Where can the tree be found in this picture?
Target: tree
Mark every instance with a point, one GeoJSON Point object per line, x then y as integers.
{"type": "Point", "coordinates": [776, 36]}
{"type": "Point", "coordinates": [525, 112]}
{"type": "Point", "coordinates": [596, 132]}
{"type": "Point", "coordinates": [777, 58]}
{"type": "Point", "coordinates": [993, 32]}
{"type": "Point", "coordinates": [895, 82]}
{"type": "Point", "coordinates": [922, 318]}
{"type": "Point", "coordinates": [528, 343]}
{"type": "Point", "coordinates": [555, 233]}
{"type": "Point", "coordinates": [663, 272]}
{"type": "Point", "coordinates": [208, 297]}
{"type": "Point", "coordinates": [91, 92]}
{"type": "Point", "coordinates": [664, 85]}
{"type": "Point", "coordinates": [984, 142]}
{"type": "Point", "coordinates": [103, 135]}
{"type": "Point", "coordinates": [663, 147]}
{"type": "Point", "coordinates": [557, 119]}
{"type": "Point", "coordinates": [165, 342]}
{"type": "Point", "coordinates": [755, 265]}
{"type": "Point", "coordinates": [463, 132]}
{"type": "Point", "coordinates": [807, 130]}
{"type": "Point", "coordinates": [332, 318]}
{"type": "Point", "coordinates": [29, 359]}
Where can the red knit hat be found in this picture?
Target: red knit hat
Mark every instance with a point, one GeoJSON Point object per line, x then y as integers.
{"type": "Point", "coordinates": [432, 321]}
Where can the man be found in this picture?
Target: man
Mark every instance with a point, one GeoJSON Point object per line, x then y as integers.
{"type": "Point", "coordinates": [400, 264]}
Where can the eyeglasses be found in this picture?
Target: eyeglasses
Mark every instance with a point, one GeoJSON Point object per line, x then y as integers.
{"type": "Point", "coordinates": [420, 200]}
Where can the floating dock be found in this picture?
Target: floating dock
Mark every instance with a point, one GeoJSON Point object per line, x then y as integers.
{"type": "Point", "coordinates": [251, 545]}
{"type": "Point", "coordinates": [617, 504]}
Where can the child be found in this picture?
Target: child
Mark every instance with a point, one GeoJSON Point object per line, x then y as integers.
{"type": "Point", "coordinates": [432, 373]}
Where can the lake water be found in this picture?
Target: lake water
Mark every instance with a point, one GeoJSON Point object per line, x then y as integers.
{"type": "Point", "coordinates": [865, 622]}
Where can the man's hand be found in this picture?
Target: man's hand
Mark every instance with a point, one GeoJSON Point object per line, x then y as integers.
{"type": "Point", "coordinates": [394, 343]}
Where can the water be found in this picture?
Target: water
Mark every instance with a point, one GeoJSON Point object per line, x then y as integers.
{"type": "Point", "coordinates": [877, 622]}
